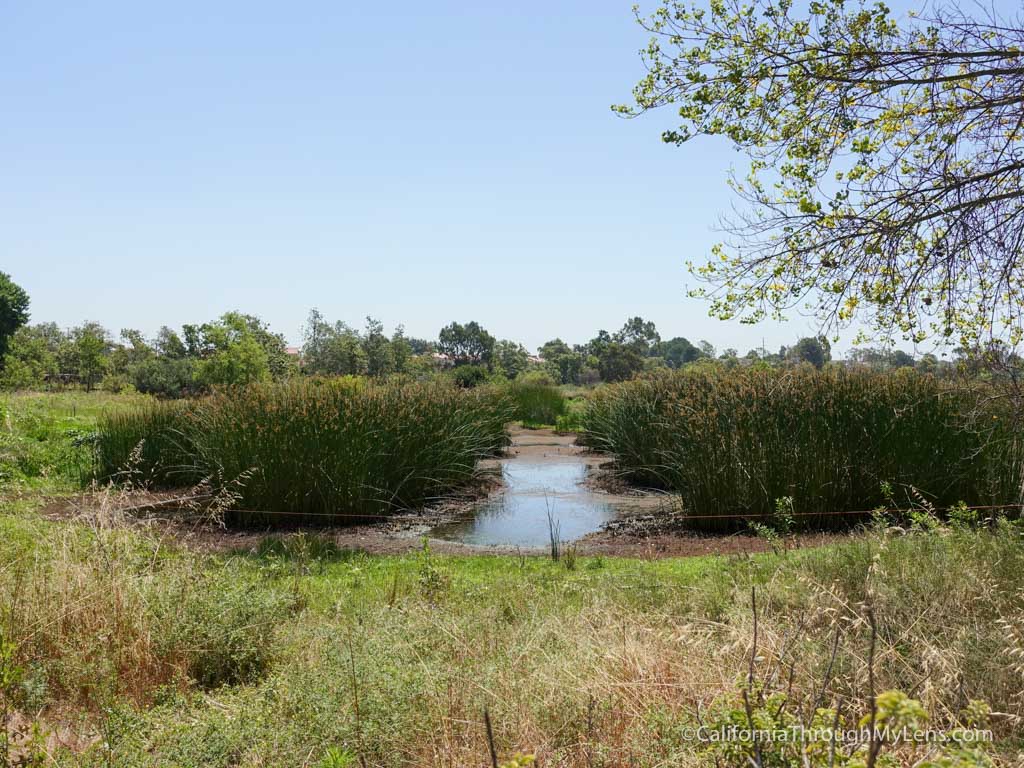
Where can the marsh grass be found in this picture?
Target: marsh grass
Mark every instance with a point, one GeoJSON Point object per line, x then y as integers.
{"type": "Point", "coordinates": [734, 443]}
{"type": "Point", "coordinates": [537, 403]}
{"type": "Point", "coordinates": [315, 452]}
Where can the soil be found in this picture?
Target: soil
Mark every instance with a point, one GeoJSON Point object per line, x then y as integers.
{"type": "Point", "coordinates": [648, 526]}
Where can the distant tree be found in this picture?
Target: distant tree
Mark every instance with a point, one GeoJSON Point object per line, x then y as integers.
{"type": "Point", "coordinates": [619, 362]}
{"type": "Point", "coordinates": [130, 352]}
{"type": "Point", "coordinates": [91, 344]}
{"type": "Point", "coordinates": [928, 363]}
{"type": "Point", "coordinates": [467, 344]}
{"type": "Point", "coordinates": [401, 350]}
{"type": "Point", "coordinates": [13, 311]}
{"type": "Point", "coordinates": [511, 357]}
{"type": "Point", "coordinates": [208, 339]}
{"type": "Point", "coordinates": [814, 350]}
{"type": "Point", "coordinates": [639, 334]}
{"type": "Point", "coordinates": [707, 349]}
{"type": "Point", "coordinates": [900, 359]}
{"type": "Point", "coordinates": [31, 356]}
{"type": "Point", "coordinates": [678, 352]}
{"type": "Point", "coordinates": [553, 348]}
{"type": "Point", "coordinates": [469, 376]}
{"type": "Point", "coordinates": [563, 363]}
{"type": "Point", "coordinates": [164, 376]}
{"type": "Point", "coordinates": [881, 358]}
{"type": "Point", "coordinates": [169, 344]}
{"type": "Point", "coordinates": [332, 349]}
{"type": "Point", "coordinates": [597, 345]}
{"type": "Point", "coordinates": [237, 361]}
{"type": "Point", "coordinates": [380, 359]}
{"type": "Point", "coordinates": [421, 346]}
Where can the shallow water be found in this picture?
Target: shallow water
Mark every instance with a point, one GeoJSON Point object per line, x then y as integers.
{"type": "Point", "coordinates": [519, 515]}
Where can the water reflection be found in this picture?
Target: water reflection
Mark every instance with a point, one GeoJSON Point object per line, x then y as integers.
{"type": "Point", "coordinates": [519, 515]}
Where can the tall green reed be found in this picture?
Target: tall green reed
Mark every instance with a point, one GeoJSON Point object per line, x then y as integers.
{"type": "Point", "coordinates": [734, 442]}
{"type": "Point", "coordinates": [323, 451]}
{"type": "Point", "coordinates": [536, 402]}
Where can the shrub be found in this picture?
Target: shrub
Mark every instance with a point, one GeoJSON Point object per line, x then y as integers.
{"type": "Point", "coordinates": [469, 376]}
{"type": "Point", "coordinates": [537, 402]}
{"type": "Point", "coordinates": [319, 451]}
{"type": "Point", "coordinates": [163, 376]}
{"type": "Point", "coordinates": [222, 628]}
{"type": "Point", "coordinates": [734, 442]}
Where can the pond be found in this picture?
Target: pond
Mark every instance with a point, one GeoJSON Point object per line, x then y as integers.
{"type": "Point", "coordinates": [534, 489]}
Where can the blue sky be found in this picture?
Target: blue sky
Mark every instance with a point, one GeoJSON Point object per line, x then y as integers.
{"type": "Point", "coordinates": [422, 163]}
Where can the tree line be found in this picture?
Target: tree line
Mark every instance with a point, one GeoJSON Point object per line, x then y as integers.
{"type": "Point", "coordinates": [239, 348]}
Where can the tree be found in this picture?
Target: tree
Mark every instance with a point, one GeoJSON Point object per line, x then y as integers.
{"type": "Point", "coordinates": [678, 352]}
{"type": "Point", "coordinates": [639, 334]}
{"type": "Point", "coordinates": [165, 376]}
{"type": "Point", "coordinates": [380, 360]}
{"type": "Point", "coordinates": [169, 344]}
{"type": "Point", "coordinates": [31, 356]}
{"type": "Point", "coordinates": [619, 362]}
{"type": "Point", "coordinates": [553, 348]}
{"type": "Point", "coordinates": [240, 361]}
{"type": "Point", "coordinates": [421, 346]}
{"type": "Point", "coordinates": [511, 357]}
{"type": "Point", "coordinates": [401, 350]}
{"type": "Point", "coordinates": [13, 311]}
{"type": "Point", "coordinates": [563, 362]}
{"type": "Point", "coordinates": [90, 344]}
{"type": "Point", "coordinates": [598, 344]}
{"type": "Point", "coordinates": [209, 339]}
{"type": "Point", "coordinates": [332, 350]}
{"type": "Point", "coordinates": [894, 158]}
{"type": "Point", "coordinates": [467, 344]}
{"type": "Point", "coordinates": [816, 351]}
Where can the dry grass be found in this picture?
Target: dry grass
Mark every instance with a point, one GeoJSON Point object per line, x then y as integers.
{"type": "Point", "coordinates": [274, 657]}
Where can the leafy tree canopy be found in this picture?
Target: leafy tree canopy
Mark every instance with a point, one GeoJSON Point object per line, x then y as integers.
{"type": "Point", "coordinates": [886, 177]}
{"type": "Point", "coordinates": [619, 362]}
{"type": "Point", "coordinates": [678, 351]}
{"type": "Point", "coordinates": [13, 311]}
{"type": "Point", "coordinates": [639, 334]}
{"type": "Point", "coordinates": [467, 344]}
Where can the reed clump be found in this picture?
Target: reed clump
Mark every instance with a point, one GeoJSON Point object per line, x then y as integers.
{"type": "Point", "coordinates": [736, 442]}
{"type": "Point", "coordinates": [314, 451]}
{"type": "Point", "coordinates": [537, 402]}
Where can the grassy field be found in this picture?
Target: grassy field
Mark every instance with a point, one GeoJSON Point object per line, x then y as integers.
{"type": "Point", "coordinates": [153, 655]}
{"type": "Point", "coordinates": [123, 646]}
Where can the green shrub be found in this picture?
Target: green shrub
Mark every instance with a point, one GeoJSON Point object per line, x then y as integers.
{"type": "Point", "coordinates": [469, 376]}
{"type": "Point", "coordinates": [735, 442]}
{"type": "Point", "coordinates": [222, 628]}
{"type": "Point", "coordinates": [317, 450]}
{"type": "Point", "coordinates": [537, 402]}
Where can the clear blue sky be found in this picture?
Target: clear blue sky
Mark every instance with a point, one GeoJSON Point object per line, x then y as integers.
{"type": "Point", "coordinates": [419, 162]}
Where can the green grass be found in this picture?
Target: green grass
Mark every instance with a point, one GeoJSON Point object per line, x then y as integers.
{"type": "Point", "coordinates": [46, 439]}
{"type": "Point", "coordinates": [319, 451]}
{"type": "Point", "coordinates": [537, 403]}
{"type": "Point", "coordinates": [734, 443]}
{"type": "Point", "coordinates": [279, 655]}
